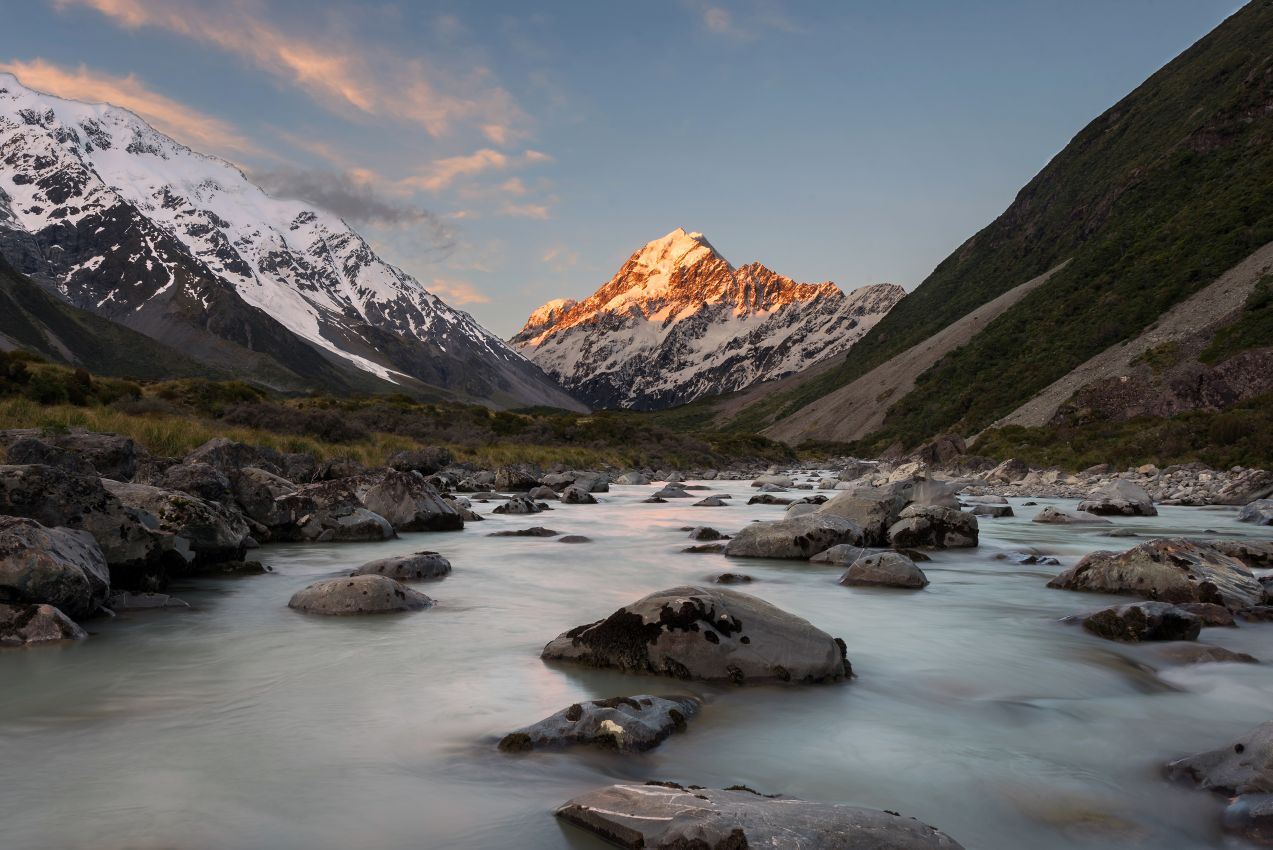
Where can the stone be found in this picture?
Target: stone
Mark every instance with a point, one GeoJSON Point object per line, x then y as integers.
{"type": "Point", "coordinates": [934, 526]}
{"type": "Point", "coordinates": [425, 461]}
{"type": "Point", "coordinates": [127, 601]}
{"type": "Point", "coordinates": [516, 478]}
{"type": "Point", "coordinates": [780, 481]}
{"type": "Point", "coordinates": [54, 566]}
{"type": "Point", "coordinates": [257, 492]}
{"type": "Point", "coordinates": [841, 555]}
{"type": "Point", "coordinates": [575, 495]}
{"type": "Point", "coordinates": [1202, 653]}
{"type": "Point", "coordinates": [655, 500]}
{"type": "Point", "coordinates": [1143, 621]}
{"type": "Point", "coordinates": [625, 724]}
{"type": "Point", "coordinates": [1119, 497]}
{"type": "Point", "coordinates": [201, 480]}
{"type": "Point", "coordinates": [542, 492]}
{"type": "Point", "coordinates": [711, 502]}
{"type": "Point", "coordinates": [416, 567]}
{"type": "Point", "coordinates": [336, 468]}
{"type": "Point", "coordinates": [872, 509]}
{"type": "Point", "coordinates": [769, 499]}
{"type": "Point", "coordinates": [363, 594]}
{"type": "Point", "coordinates": [408, 502]}
{"type": "Point", "coordinates": [796, 538]}
{"type": "Point", "coordinates": [631, 478]}
{"type": "Point", "coordinates": [1254, 554]}
{"type": "Point", "coordinates": [230, 456]}
{"type": "Point", "coordinates": [705, 548]}
{"type": "Point", "coordinates": [671, 493]}
{"type": "Point", "coordinates": [534, 531]}
{"type": "Point", "coordinates": [1056, 516]}
{"type": "Point", "coordinates": [1009, 471]}
{"type": "Point", "coordinates": [574, 538]}
{"type": "Point", "coordinates": [519, 505]}
{"type": "Point", "coordinates": [28, 450]}
{"type": "Point", "coordinates": [733, 578]}
{"type": "Point", "coordinates": [884, 569]}
{"type": "Point", "coordinates": [706, 633]}
{"type": "Point", "coordinates": [1259, 512]}
{"type": "Point", "coordinates": [703, 532]}
{"type": "Point", "coordinates": [27, 624]}
{"type": "Point", "coordinates": [1242, 767]}
{"type": "Point", "coordinates": [1166, 570]}
{"type": "Point", "coordinates": [1210, 613]}
{"type": "Point", "coordinates": [671, 817]}
{"type": "Point", "coordinates": [212, 531]}
{"type": "Point", "coordinates": [993, 511]}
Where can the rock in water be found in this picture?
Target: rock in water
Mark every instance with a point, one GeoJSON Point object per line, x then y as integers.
{"type": "Point", "coordinates": [519, 505]}
{"type": "Point", "coordinates": [667, 816]}
{"type": "Point", "coordinates": [364, 594]}
{"type": "Point", "coordinates": [575, 495]}
{"type": "Point", "coordinates": [57, 566]}
{"type": "Point", "coordinates": [215, 533]}
{"type": "Point", "coordinates": [409, 503]}
{"type": "Point", "coordinates": [706, 633]}
{"type": "Point", "coordinates": [1120, 497]}
{"type": "Point", "coordinates": [1259, 512]}
{"type": "Point", "coordinates": [935, 526]}
{"type": "Point", "coordinates": [799, 537]}
{"type": "Point", "coordinates": [626, 724]}
{"type": "Point", "coordinates": [417, 567]}
{"type": "Point", "coordinates": [1166, 570]}
{"type": "Point", "coordinates": [705, 533]}
{"type": "Point", "coordinates": [23, 624]}
{"type": "Point", "coordinates": [872, 509]}
{"type": "Point", "coordinates": [1242, 772]}
{"type": "Point", "coordinates": [1056, 516]}
{"type": "Point", "coordinates": [1143, 621]}
{"type": "Point", "coordinates": [885, 569]}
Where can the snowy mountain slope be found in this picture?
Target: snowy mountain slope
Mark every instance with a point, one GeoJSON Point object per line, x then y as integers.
{"type": "Point", "coordinates": [123, 221]}
{"type": "Point", "coordinates": [679, 322]}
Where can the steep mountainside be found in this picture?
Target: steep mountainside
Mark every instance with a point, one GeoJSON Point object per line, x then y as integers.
{"type": "Point", "coordinates": [679, 322]}
{"type": "Point", "coordinates": [122, 221]}
{"type": "Point", "coordinates": [1151, 202]}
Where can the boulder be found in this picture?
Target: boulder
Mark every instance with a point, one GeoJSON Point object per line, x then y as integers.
{"type": "Point", "coordinates": [1056, 516]}
{"type": "Point", "coordinates": [230, 456]}
{"type": "Point", "coordinates": [1243, 773]}
{"type": "Point", "coordinates": [574, 538]}
{"type": "Point", "coordinates": [631, 478]}
{"type": "Point", "coordinates": [1143, 621]}
{"type": "Point", "coordinates": [516, 478]}
{"type": "Point", "coordinates": [28, 450]}
{"type": "Point", "coordinates": [1244, 489]}
{"type": "Point", "coordinates": [782, 482]}
{"type": "Point", "coordinates": [732, 578]}
{"type": "Point", "coordinates": [1209, 613]}
{"type": "Point", "coordinates": [1008, 472]}
{"type": "Point", "coordinates": [519, 505]}
{"type": "Point", "coordinates": [82, 452]}
{"type": "Point", "coordinates": [992, 511]}
{"type": "Point", "coordinates": [934, 526]}
{"type": "Point", "coordinates": [576, 495]}
{"type": "Point", "coordinates": [417, 567]}
{"type": "Point", "coordinates": [212, 531]}
{"type": "Point", "coordinates": [1120, 497]}
{"type": "Point", "coordinates": [408, 502]}
{"type": "Point", "coordinates": [425, 461]}
{"type": "Point", "coordinates": [534, 531]}
{"type": "Point", "coordinates": [706, 633]}
{"type": "Point", "coordinates": [769, 499]}
{"type": "Point", "coordinates": [1254, 554]}
{"type": "Point", "coordinates": [55, 566]}
{"type": "Point", "coordinates": [671, 817]}
{"type": "Point", "coordinates": [330, 512]}
{"type": "Point", "coordinates": [798, 538]}
{"type": "Point", "coordinates": [26, 624]}
{"type": "Point", "coordinates": [884, 569]}
{"type": "Point", "coordinates": [591, 482]}
{"type": "Point", "coordinates": [1166, 570]}
{"type": "Point", "coordinates": [336, 468]}
{"type": "Point", "coordinates": [542, 492]}
{"type": "Point", "coordinates": [626, 724]}
{"type": "Point", "coordinates": [671, 492]}
{"type": "Point", "coordinates": [841, 555]}
{"type": "Point", "coordinates": [1203, 653]}
{"type": "Point", "coordinates": [201, 480]}
{"type": "Point", "coordinates": [654, 500]}
{"type": "Point", "coordinates": [126, 601]}
{"type": "Point", "coordinates": [704, 533]}
{"type": "Point", "coordinates": [872, 509]}
{"type": "Point", "coordinates": [1259, 512]}
{"type": "Point", "coordinates": [362, 594]}
{"type": "Point", "coordinates": [711, 502]}
{"type": "Point", "coordinates": [258, 491]}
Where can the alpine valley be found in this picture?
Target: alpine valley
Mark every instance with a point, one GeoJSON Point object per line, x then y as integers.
{"type": "Point", "coordinates": [678, 322]}
{"type": "Point", "coordinates": [120, 221]}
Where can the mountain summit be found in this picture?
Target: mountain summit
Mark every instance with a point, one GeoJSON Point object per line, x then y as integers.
{"type": "Point", "coordinates": [120, 220]}
{"type": "Point", "coordinates": [679, 322]}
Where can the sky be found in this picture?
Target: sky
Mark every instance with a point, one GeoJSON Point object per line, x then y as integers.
{"type": "Point", "coordinates": [507, 153]}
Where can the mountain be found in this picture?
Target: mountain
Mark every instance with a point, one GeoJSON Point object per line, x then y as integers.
{"type": "Point", "coordinates": [118, 219]}
{"type": "Point", "coordinates": [679, 322]}
{"type": "Point", "coordinates": [1164, 196]}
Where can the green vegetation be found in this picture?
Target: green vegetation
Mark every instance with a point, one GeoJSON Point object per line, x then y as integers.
{"type": "Point", "coordinates": [1239, 436]}
{"type": "Point", "coordinates": [1254, 329]}
{"type": "Point", "coordinates": [1150, 202]}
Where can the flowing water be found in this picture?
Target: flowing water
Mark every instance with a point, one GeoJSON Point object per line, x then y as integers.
{"type": "Point", "coordinates": [243, 725]}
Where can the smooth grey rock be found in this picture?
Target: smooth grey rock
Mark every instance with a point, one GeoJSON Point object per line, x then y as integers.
{"type": "Point", "coordinates": [416, 567]}
{"type": "Point", "coordinates": [1143, 621]}
{"type": "Point", "coordinates": [884, 569]}
{"type": "Point", "coordinates": [55, 566]}
{"type": "Point", "coordinates": [872, 509]}
{"type": "Point", "coordinates": [408, 502]}
{"type": "Point", "coordinates": [575, 495]}
{"type": "Point", "coordinates": [706, 633]}
{"type": "Point", "coordinates": [1119, 497]}
{"type": "Point", "coordinates": [26, 624]}
{"type": "Point", "coordinates": [632, 478]}
{"type": "Point", "coordinates": [1259, 512]}
{"type": "Point", "coordinates": [212, 531]}
{"type": "Point", "coordinates": [842, 555]}
{"type": "Point", "coordinates": [992, 511]}
{"type": "Point", "coordinates": [671, 493]}
{"type": "Point", "coordinates": [1242, 767]}
{"type": "Point", "coordinates": [934, 526]}
{"type": "Point", "coordinates": [1167, 570]}
{"type": "Point", "coordinates": [533, 531]}
{"type": "Point", "coordinates": [574, 538]}
{"type": "Point", "coordinates": [666, 816]}
{"type": "Point", "coordinates": [1203, 653]}
{"type": "Point", "coordinates": [1056, 516]}
{"type": "Point", "coordinates": [519, 505]}
{"type": "Point", "coordinates": [516, 478]}
{"type": "Point", "coordinates": [711, 502]}
{"type": "Point", "coordinates": [542, 492]}
{"type": "Point", "coordinates": [705, 533]}
{"type": "Point", "coordinates": [363, 594]}
{"type": "Point", "coordinates": [797, 538]}
{"type": "Point", "coordinates": [626, 724]}
{"type": "Point", "coordinates": [126, 601]}
{"type": "Point", "coordinates": [782, 482]}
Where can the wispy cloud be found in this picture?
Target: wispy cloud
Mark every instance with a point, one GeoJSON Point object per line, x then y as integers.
{"type": "Point", "coordinates": [190, 126]}
{"type": "Point", "coordinates": [337, 72]}
{"type": "Point", "coordinates": [351, 195]}
{"type": "Point", "coordinates": [458, 291]}
{"type": "Point", "coordinates": [742, 20]}
{"type": "Point", "coordinates": [540, 211]}
{"type": "Point", "coordinates": [443, 172]}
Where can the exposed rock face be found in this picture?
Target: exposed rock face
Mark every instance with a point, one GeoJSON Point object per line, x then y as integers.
{"type": "Point", "coordinates": [1259, 512]}
{"type": "Point", "coordinates": [885, 569]}
{"type": "Point", "coordinates": [361, 594]}
{"type": "Point", "coordinates": [1254, 554]}
{"type": "Point", "coordinates": [409, 503]}
{"type": "Point", "coordinates": [28, 450]}
{"type": "Point", "coordinates": [417, 567]}
{"type": "Point", "coordinates": [626, 724]}
{"type": "Point", "coordinates": [702, 633]}
{"type": "Point", "coordinates": [1143, 621]}
{"type": "Point", "coordinates": [670, 817]}
{"type": "Point", "coordinates": [212, 532]}
{"type": "Point", "coordinates": [1056, 516]}
{"type": "Point", "coordinates": [934, 526]}
{"type": "Point", "coordinates": [57, 566]}
{"type": "Point", "coordinates": [797, 538]}
{"type": "Point", "coordinates": [1166, 570]}
{"type": "Point", "coordinates": [25, 624]}
{"type": "Point", "coordinates": [1120, 497]}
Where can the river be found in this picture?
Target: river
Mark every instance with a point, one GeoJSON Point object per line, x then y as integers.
{"type": "Point", "coordinates": [243, 725]}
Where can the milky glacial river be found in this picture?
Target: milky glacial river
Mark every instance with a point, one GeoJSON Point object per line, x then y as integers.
{"type": "Point", "coordinates": [243, 725]}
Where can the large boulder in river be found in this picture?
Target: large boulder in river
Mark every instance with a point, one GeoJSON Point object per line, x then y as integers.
{"type": "Point", "coordinates": [934, 526]}
{"type": "Point", "coordinates": [1259, 512]}
{"type": "Point", "coordinates": [1143, 621]}
{"type": "Point", "coordinates": [626, 724]}
{"type": "Point", "coordinates": [799, 537]}
{"type": "Point", "coordinates": [417, 567]}
{"type": "Point", "coordinates": [362, 594]}
{"type": "Point", "coordinates": [58, 566]}
{"type": "Point", "coordinates": [330, 512]}
{"type": "Point", "coordinates": [701, 633]}
{"type": "Point", "coordinates": [576, 495]}
{"type": "Point", "coordinates": [884, 569]}
{"type": "Point", "coordinates": [408, 502]}
{"type": "Point", "coordinates": [214, 533]}
{"type": "Point", "coordinates": [632, 478]}
{"type": "Point", "coordinates": [516, 478]}
{"type": "Point", "coordinates": [26, 624]}
{"type": "Point", "coordinates": [667, 816]}
{"type": "Point", "coordinates": [1056, 516]}
{"type": "Point", "coordinates": [519, 505]}
{"type": "Point", "coordinates": [872, 509]}
{"type": "Point", "coordinates": [1242, 772]}
{"type": "Point", "coordinates": [257, 492]}
{"type": "Point", "coordinates": [1119, 497]}
{"type": "Point", "coordinates": [1166, 570]}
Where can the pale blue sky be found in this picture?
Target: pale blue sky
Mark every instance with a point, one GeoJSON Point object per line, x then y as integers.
{"type": "Point", "coordinates": [507, 153]}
